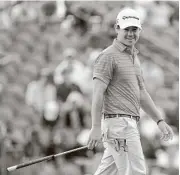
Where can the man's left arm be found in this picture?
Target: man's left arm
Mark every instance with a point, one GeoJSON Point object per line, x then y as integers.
{"type": "Point", "coordinates": [150, 108]}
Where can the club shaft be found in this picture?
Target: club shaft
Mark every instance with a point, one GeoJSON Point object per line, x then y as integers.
{"type": "Point", "coordinates": [70, 151]}
{"type": "Point", "coordinates": [43, 159]}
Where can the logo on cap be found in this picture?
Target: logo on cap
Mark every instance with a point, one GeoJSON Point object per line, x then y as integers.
{"type": "Point", "coordinates": [127, 17]}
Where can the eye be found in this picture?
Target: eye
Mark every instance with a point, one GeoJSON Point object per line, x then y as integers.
{"type": "Point", "coordinates": [126, 29]}
{"type": "Point", "coordinates": [135, 29]}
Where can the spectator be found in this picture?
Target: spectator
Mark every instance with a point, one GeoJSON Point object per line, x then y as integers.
{"type": "Point", "coordinates": [160, 14]}
{"type": "Point", "coordinates": [41, 91]}
{"type": "Point", "coordinates": [70, 66]}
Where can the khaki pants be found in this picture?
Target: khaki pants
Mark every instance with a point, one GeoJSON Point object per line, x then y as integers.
{"type": "Point", "coordinates": [120, 157]}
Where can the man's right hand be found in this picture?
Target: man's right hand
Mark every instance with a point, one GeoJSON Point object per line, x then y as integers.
{"type": "Point", "coordinates": [94, 137]}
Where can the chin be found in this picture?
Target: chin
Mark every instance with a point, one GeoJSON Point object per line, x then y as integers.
{"type": "Point", "coordinates": [130, 44]}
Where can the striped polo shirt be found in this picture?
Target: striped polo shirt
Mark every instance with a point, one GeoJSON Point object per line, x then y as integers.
{"type": "Point", "coordinates": [121, 71]}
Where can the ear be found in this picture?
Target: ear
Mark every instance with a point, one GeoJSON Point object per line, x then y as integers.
{"type": "Point", "coordinates": [116, 27]}
{"type": "Point", "coordinates": [139, 30]}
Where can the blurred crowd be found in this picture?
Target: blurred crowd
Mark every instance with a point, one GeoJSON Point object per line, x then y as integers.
{"type": "Point", "coordinates": [47, 51]}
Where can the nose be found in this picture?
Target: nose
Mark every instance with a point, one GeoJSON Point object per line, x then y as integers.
{"type": "Point", "coordinates": [130, 33]}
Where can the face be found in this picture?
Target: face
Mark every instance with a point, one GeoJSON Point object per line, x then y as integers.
{"type": "Point", "coordinates": [128, 36]}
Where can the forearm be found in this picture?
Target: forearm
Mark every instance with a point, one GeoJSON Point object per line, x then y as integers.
{"type": "Point", "coordinates": [149, 107]}
{"type": "Point", "coordinates": [96, 110]}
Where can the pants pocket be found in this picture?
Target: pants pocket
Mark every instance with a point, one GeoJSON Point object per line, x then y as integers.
{"type": "Point", "coordinates": [117, 128]}
{"type": "Point", "coordinates": [114, 128]}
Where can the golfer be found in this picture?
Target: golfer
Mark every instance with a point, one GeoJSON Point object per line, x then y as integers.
{"type": "Point", "coordinates": [118, 94]}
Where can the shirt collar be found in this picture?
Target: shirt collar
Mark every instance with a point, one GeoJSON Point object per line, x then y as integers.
{"type": "Point", "coordinates": [121, 47]}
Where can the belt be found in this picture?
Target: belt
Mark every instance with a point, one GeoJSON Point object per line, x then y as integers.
{"type": "Point", "coordinates": [121, 115]}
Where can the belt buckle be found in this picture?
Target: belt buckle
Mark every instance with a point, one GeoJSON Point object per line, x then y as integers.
{"type": "Point", "coordinates": [104, 116]}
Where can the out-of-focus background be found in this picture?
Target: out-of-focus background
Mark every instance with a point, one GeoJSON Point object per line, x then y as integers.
{"type": "Point", "coordinates": [47, 51]}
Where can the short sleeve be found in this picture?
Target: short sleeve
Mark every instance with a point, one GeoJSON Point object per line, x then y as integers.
{"type": "Point", "coordinates": [103, 68]}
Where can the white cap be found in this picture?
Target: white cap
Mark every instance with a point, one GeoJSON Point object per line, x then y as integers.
{"type": "Point", "coordinates": [128, 17]}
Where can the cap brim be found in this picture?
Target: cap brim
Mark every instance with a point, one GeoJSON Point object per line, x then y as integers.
{"type": "Point", "coordinates": [130, 25]}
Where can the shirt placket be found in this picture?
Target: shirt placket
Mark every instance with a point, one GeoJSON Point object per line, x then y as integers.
{"type": "Point", "coordinates": [132, 58]}
{"type": "Point", "coordinates": [131, 55]}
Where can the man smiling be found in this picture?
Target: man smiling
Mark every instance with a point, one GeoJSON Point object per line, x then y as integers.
{"type": "Point", "coordinates": [118, 94]}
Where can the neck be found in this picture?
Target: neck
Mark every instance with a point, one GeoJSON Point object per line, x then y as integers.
{"type": "Point", "coordinates": [130, 47]}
